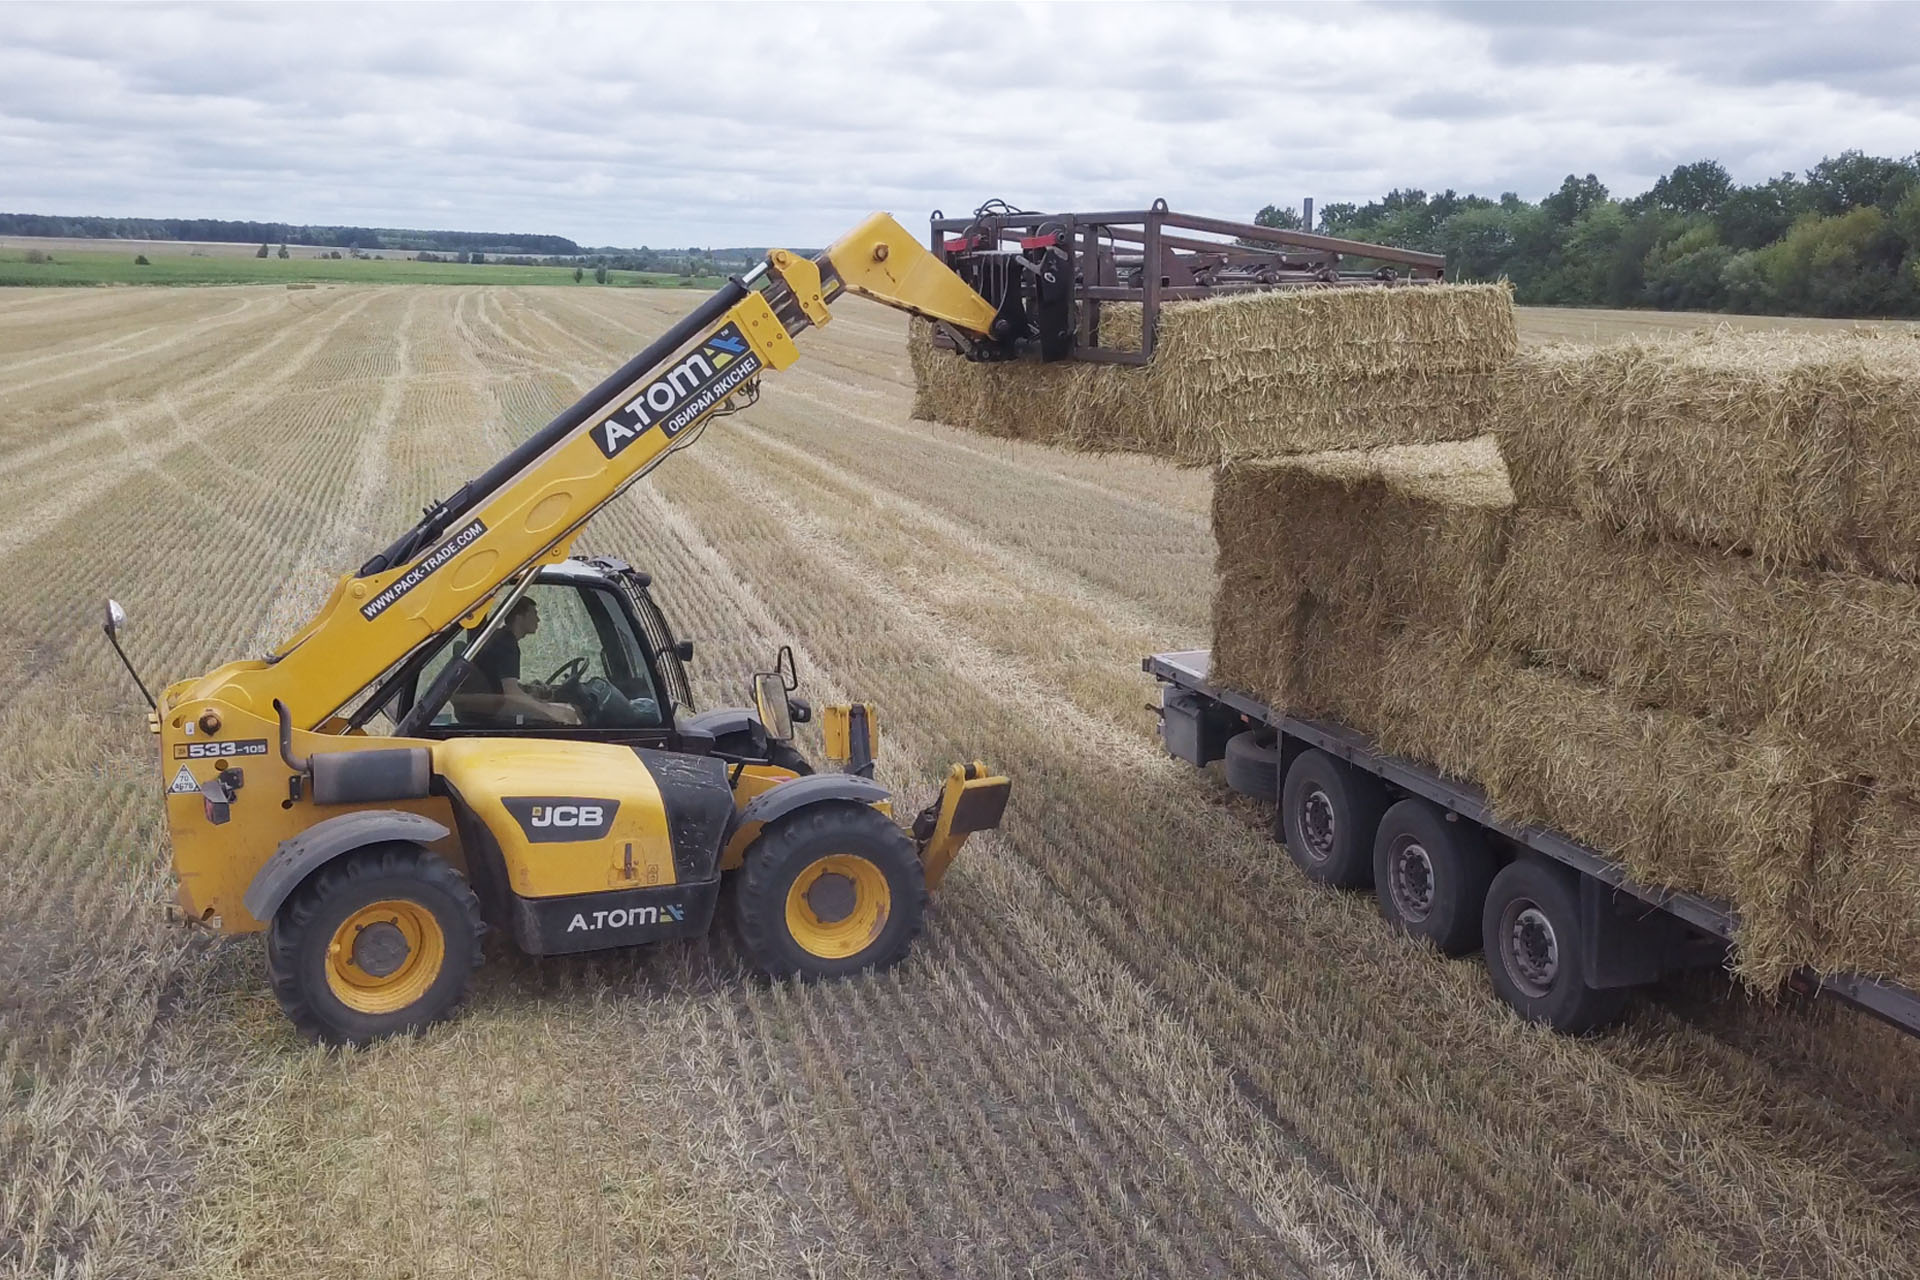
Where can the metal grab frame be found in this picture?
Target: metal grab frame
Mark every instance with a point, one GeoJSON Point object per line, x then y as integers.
{"type": "Point", "coordinates": [1166, 267]}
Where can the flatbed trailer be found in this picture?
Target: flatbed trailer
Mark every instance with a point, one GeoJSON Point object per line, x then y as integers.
{"type": "Point", "coordinates": [1565, 931]}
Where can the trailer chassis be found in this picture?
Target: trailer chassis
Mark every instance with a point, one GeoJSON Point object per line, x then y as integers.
{"type": "Point", "coordinates": [1630, 934]}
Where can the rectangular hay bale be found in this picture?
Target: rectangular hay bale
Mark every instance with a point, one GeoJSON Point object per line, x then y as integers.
{"type": "Point", "coordinates": [1254, 374]}
{"type": "Point", "coordinates": [1832, 657]}
{"type": "Point", "coordinates": [1799, 449]}
{"type": "Point", "coordinates": [1323, 557]}
{"type": "Point", "coordinates": [1356, 590]}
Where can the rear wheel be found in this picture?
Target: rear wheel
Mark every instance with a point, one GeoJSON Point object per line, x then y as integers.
{"type": "Point", "coordinates": [1532, 935]}
{"type": "Point", "coordinates": [830, 890]}
{"type": "Point", "coordinates": [1328, 813]}
{"type": "Point", "coordinates": [1431, 876]}
{"type": "Point", "coordinates": [380, 942]}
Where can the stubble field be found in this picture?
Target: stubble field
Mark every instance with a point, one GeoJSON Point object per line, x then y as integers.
{"type": "Point", "coordinates": [1133, 1042]}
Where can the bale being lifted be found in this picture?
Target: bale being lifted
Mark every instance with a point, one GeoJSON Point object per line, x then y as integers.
{"type": "Point", "coordinates": [1250, 374]}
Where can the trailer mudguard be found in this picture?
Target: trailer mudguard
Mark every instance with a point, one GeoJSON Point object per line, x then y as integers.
{"type": "Point", "coordinates": [321, 843]}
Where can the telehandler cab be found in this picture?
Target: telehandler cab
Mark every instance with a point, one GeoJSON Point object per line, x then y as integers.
{"type": "Point", "coordinates": [397, 775]}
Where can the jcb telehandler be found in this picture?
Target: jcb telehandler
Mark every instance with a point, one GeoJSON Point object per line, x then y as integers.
{"type": "Point", "coordinates": [397, 773]}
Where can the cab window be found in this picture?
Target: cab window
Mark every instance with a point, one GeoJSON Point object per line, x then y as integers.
{"type": "Point", "coordinates": [566, 656]}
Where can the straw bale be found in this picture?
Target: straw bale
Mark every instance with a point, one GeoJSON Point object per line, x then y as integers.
{"type": "Point", "coordinates": [1251, 375]}
{"type": "Point", "coordinates": [1340, 334]}
{"type": "Point", "coordinates": [1832, 657]}
{"type": "Point", "coordinates": [1796, 448]}
{"type": "Point", "coordinates": [1875, 392]}
{"type": "Point", "coordinates": [1680, 802]}
{"type": "Point", "coordinates": [1323, 557]}
{"type": "Point", "coordinates": [1867, 909]}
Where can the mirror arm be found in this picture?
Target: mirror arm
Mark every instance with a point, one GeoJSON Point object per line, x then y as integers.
{"type": "Point", "coordinates": [114, 640]}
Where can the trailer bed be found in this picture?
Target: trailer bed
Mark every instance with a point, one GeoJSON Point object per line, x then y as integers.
{"type": "Point", "coordinates": [1188, 669]}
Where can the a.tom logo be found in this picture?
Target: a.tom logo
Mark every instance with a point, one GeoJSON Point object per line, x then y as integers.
{"type": "Point", "coordinates": [552, 819]}
{"type": "Point", "coordinates": [696, 384]}
{"type": "Point", "coordinates": [626, 918]}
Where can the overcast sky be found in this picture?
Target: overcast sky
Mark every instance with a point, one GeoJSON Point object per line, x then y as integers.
{"type": "Point", "coordinates": [736, 124]}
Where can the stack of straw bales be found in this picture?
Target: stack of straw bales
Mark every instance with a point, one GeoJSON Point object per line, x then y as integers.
{"type": "Point", "coordinates": [1249, 375]}
{"type": "Point", "coordinates": [1688, 633]}
{"type": "Point", "coordinates": [1662, 596]}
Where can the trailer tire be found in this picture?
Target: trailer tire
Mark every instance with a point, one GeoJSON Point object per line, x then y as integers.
{"type": "Point", "coordinates": [1431, 876]}
{"type": "Point", "coordinates": [1328, 814]}
{"type": "Point", "coordinates": [1253, 768]}
{"type": "Point", "coordinates": [1531, 933]}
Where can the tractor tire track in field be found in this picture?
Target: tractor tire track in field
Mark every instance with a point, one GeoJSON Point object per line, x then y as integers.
{"type": "Point", "coordinates": [350, 525]}
{"type": "Point", "coordinates": [74, 484]}
{"type": "Point", "coordinates": [1132, 1043]}
{"type": "Point", "coordinates": [120, 345]}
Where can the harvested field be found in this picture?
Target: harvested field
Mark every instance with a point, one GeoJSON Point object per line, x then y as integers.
{"type": "Point", "coordinates": [1135, 1042]}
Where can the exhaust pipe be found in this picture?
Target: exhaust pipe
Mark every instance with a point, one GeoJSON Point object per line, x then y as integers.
{"type": "Point", "coordinates": [297, 763]}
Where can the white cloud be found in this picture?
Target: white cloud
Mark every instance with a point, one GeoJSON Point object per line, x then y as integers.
{"type": "Point", "coordinates": [730, 124]}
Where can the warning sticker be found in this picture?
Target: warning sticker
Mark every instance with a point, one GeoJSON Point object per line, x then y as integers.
{"type": "Point", "coordinates": [183, 783]}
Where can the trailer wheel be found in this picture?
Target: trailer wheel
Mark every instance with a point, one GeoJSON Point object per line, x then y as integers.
{"type": "Point", "coordinates": [1328, 813]}
{"type": "Point", "coordinates": [1431, 876]}
{"type": "Point", "coordinates": [1253, 768]}
{"type": "Point", "coordinates": [1532, 936]}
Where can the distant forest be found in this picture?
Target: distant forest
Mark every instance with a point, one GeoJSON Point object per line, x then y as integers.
{"type": "Point", "coordinates": [1842, 239]}
{"type": "Point", "coordinates": [225, 232]}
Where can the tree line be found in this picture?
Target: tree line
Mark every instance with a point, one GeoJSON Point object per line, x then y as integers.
{"type": "Point", "coordinates": [222, 231]}
{"type": "Point", "coordinates": [1840, 239]}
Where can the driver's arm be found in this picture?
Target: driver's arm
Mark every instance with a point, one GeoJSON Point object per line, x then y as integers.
{"type": "Point", "coordinates": [516, 700]}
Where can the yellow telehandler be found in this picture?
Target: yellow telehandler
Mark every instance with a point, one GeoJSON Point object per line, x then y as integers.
{"type": "Point", "coordinates": [480, 728]}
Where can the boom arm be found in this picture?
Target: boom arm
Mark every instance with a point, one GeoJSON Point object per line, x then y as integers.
{"type": "Point", "coordinates": [527, 508]}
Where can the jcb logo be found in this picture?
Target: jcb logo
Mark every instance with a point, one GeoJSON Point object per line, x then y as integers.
{"type": "Point", "coordinates": [567, 815]}
{"type": "Point", "coordinates": [547, 819]}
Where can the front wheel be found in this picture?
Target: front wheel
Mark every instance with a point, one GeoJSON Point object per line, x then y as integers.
{"type": "Point", "coordinates": [830, 890]}
{"type": "Point", "coordinates": [380, 942]}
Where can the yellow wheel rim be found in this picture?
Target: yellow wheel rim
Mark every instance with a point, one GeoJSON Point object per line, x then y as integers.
{"type": "Point", "coordinates": [385, 956]}
{"type": "Point", "coordinates": [837, 906]}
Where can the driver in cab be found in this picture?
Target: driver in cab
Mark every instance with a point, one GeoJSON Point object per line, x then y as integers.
{"type": "Point", "coordinates": [493, 691]}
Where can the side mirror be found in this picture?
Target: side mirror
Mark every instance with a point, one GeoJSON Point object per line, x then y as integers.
{"type": "Point", "coordinates": [770, 700]}
{"type": "Point", "coordinates": [683, 650]}
{"type": "Point", "coordinates": [116, 618]}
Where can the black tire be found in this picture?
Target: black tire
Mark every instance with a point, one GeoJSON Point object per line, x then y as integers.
{"type": "Point", "coordinates": [1253, 768]}
{"type": "Point", "coordinates": [1532, 938]}
{"type": "Point", "coordinates": [301, 934]}
{"type": "Point", "coordinates": [792, 846]}
{"type": "Point", "coordinates": [1431, 876]}
{"type": "Point", "coordinates": [1328, 813]}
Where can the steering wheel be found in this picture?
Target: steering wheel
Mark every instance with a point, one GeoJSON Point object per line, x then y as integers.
{"type": "Point", "coordinates": [565, 676]}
